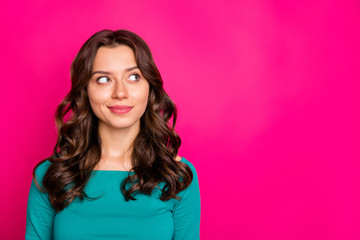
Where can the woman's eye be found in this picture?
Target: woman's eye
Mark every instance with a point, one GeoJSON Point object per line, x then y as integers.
{"type": "Point", "coordinates": [134, 77]}
{"type": "Point", "coordinates": [103, 80]}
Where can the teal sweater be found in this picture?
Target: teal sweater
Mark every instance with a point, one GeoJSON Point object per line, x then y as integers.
{"type": "Point", "coordinates": [110, 216]}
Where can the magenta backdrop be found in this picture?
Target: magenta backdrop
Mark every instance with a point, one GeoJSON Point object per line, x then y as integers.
{"type": "Point", "coordinates": [268, 98]}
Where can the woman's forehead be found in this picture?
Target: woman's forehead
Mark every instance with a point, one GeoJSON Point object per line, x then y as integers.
{"type": "Point", "coordinates": [119, 57]}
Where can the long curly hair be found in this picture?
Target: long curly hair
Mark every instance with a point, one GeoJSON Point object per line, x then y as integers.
{"type": "Point", "coordinates": [78, 146]}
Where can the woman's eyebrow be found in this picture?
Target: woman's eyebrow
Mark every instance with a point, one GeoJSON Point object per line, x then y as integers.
{"type": "Point", "coordinates": [100, 72]}
{"type": "Point", "coordinates": [131, 68]}
{"type": "Point", "coordinates": [108, 73]}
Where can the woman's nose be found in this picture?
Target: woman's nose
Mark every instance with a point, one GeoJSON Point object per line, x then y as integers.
{"type": "Point", "coordinates": [120, 90]}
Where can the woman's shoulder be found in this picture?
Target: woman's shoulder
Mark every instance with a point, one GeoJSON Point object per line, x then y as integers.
{"type": "Point", "coordinates": [187, 162]}
{"type": "Point", "coordinates": [193, 188]}
{"type": "Point", "coordinates": [41, 169]}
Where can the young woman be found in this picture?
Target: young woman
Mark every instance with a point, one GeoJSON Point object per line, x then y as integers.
{"type": "Point", "coordinates": [115, 172]}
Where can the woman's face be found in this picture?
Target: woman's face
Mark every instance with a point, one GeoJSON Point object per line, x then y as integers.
{"type": "Point", "coordinates": [118, 92]}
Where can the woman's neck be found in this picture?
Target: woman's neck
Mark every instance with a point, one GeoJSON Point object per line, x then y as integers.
{"type": "Point", "coordinates": [116, 147]}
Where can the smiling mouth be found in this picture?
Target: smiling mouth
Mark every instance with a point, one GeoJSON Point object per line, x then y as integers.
{"type": "Point", "coordinates": [120, 109]}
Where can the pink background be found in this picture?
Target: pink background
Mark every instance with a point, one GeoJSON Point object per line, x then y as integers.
{"type": "Point", "coordinates": [268, 97]}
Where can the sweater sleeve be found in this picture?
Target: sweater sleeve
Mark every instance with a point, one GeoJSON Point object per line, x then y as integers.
{"type": "Point", "coordinates": [186, 212]}
{"type": "Point", "coordinates": [40, 214]}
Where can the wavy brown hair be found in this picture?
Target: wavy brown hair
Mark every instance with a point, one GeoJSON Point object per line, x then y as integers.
{"type": "Point", "coordinates": [78, 147]}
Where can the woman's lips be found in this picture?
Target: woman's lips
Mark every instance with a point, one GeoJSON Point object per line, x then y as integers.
{"type": "Point", "coordinates": [120, 109]}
